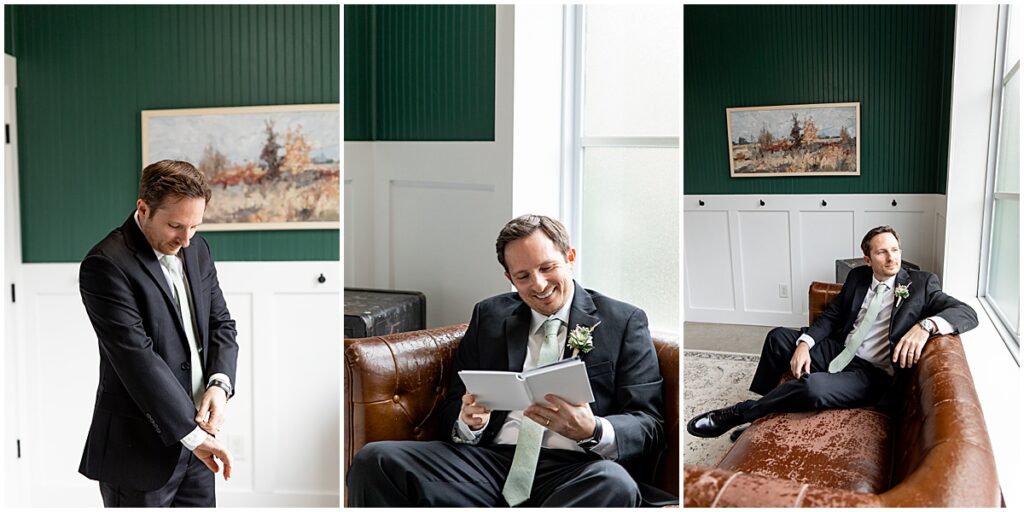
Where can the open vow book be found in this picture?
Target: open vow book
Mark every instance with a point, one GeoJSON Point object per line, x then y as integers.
{"type": "Point", "coordinates": [515, 391]}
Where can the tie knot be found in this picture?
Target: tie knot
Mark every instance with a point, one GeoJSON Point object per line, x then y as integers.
{"type": "Point", "coordinates": [881, 288]}
{"type": "Point", "coordinates": [551, 327]}
{"type": "Point", "coordinates": [167, 261]}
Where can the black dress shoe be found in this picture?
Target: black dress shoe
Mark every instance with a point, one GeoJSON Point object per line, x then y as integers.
{"type": "Point", "coordinates": [715, 423]}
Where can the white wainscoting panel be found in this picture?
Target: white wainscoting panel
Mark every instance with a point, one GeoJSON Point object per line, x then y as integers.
{"type": "Point", "coordinates": [737, 251]}
{"type": "Point", "coordinates": [283, 423]}
{"type": "Point", "coordinates": [358, 211]}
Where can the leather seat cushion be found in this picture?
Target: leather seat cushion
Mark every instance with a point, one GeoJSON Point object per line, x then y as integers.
{"type": "Point", "coordinates": [842, 448]}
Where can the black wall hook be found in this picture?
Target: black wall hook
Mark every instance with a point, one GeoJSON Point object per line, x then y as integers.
{"type": "Point", "coordinates": [701, 202]}
{"type": "Point", "coordinates": [321, 279]}
{"type": "Point", "coordinates": [894, 203]}
{"type": "Point", "coordinates": [762, 202]}
{"type": "Point", "coordinates": [824, 203]}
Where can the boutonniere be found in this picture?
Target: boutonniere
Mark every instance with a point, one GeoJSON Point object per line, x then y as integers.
{"type": "Point", "coordinates": [902, 292]}
{"type": "Point", "coordinates": [581, 339]}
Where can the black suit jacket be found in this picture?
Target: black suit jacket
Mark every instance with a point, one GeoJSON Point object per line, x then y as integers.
{"type": "Point", "coordinates": [623, 367]}
{"type": "Point", "coordinates": [926, 299]}
{"type": "Point", "coordinates": [143, 401]}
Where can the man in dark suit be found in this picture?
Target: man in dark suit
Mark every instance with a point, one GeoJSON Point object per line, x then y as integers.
{"type": "Point", "coordinates": [167, 349]}
{"type": "Point", "coordinates": [876, 326]}
{"type": "Point", "coordinates": [551, 454]}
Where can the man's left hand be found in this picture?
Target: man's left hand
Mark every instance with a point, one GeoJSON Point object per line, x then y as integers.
{"type": "Point", "coordinates": [908, 351]}
{"type": "Point", "coordinates": [214, 405]}
{"type": "Point", "coordinates": [574, 421]}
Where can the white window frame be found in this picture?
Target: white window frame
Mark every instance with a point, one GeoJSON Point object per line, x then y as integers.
{"type": "Point", "coordinates": [999, 81]}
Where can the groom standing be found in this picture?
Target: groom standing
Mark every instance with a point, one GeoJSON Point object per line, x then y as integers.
{"type": "Point", "coordinates": [877, 325]}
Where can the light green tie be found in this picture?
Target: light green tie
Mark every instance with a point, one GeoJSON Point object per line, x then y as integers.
{"type": "Point", "coordinates": [181, 297]}
{"type": "Point", "coordinates": [524, 463]}
{"type": "Point", "coordinates": [857, 338]}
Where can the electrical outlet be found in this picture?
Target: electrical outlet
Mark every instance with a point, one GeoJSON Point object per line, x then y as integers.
{"type": "Point", "coordinates": [783, 291]}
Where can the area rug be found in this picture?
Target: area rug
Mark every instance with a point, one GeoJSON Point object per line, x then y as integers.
{"type": "Point", "coordinates": [712, 380]}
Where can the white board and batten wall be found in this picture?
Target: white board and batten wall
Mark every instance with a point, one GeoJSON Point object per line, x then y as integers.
{"type": "Point", "coordinates": [745, 263]}
{"type": "Point", "coordinates": [282, 426]}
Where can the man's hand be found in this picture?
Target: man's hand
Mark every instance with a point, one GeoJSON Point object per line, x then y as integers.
{"type": "Point", "coordinates": [575, 421]}
{"type": "Point", "coordinates": [210, 451]}
{"type": "Point", "coordinates": [473, 414]}
{"type": "Point", "coordinates": [213, 410]}
{"type": "Point", "coordinates": [908, 351]}
{"type": "Point", "coordinates": [800, 363]}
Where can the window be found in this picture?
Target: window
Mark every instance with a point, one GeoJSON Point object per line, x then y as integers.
{"type": "Point", "coordinates": [624, 154]}
{"type": "Point", "coordinates": [1001, 285]}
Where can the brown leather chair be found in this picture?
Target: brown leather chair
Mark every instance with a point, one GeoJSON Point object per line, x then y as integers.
{"type": "Point", "coordinates": [394, 385]}
{"type": "Point", "coordinates": [937, 455]}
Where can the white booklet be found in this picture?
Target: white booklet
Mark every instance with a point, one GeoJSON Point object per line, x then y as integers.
{"type": "Point", "coordinates": [515, 391]}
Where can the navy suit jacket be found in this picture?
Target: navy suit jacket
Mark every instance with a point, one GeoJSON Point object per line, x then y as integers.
{"type": "Point", "coordinates": [623, 366]}
{"type": "Point", "coordinates": [926, 299]}
{"type": "Point", "coordinates": [143, 402]}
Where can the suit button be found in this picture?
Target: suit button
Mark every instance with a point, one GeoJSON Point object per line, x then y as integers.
{"type": "Point", "coordinates": [185, 366]}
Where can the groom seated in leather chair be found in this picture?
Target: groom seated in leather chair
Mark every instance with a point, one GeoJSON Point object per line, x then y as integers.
{"type": "Point", "coordinates": [553, 454]}
{"type": "Point", "coordinates": [857, 348]}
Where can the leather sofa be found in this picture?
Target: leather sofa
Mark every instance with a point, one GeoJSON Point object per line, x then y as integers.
{"type": "Point", "coordinates": [937, 454]}
{"type": "Point", "coordinates": [395, 383]}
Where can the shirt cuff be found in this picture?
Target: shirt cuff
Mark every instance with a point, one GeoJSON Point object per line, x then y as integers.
{"type": "Point", "coordinates": [942, 325]}
{"type": "Point", "coordinates": [219, 376]}
{"type": "Point", "coordinates": [805, 338]}
{"type": "Point", "coordinates": [463, 434]}
{"type": "Point", "coordinates": [194, 439]}
{"type": "Point", "coordinates": [606, 447]}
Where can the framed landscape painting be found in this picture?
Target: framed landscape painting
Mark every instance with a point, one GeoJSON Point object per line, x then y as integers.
{"type": "Point", "coordinates": [270, 167]}
{"type": "Point", "coordinates": [794, 140]}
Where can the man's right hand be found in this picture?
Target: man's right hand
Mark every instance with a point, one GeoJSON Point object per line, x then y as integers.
{"type": "Point", "coordinates": [473, 415]}
{"type": "Point", "coordinates": [210, 451]}
{"type": "Point", "coordinates": [801, 360]}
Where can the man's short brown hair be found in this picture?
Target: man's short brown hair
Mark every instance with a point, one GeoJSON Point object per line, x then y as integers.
{"type": "Point", "coordinates": [168, 179]}
{"type": "Point", "coordinates": [865, 244]}
{"type": "Point", "coordinates": [524, 226]}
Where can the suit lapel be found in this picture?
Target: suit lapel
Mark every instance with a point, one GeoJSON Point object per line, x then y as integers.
{"type": "Point", "coordinates": [902, 278]}
{"type": "Point", "coordinates": [517, 334]}
{"type": "Point", "coordinates": [581, 313]}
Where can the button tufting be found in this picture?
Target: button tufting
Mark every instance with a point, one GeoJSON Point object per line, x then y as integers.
{"type": "Point", "coordinates": [394, 398]}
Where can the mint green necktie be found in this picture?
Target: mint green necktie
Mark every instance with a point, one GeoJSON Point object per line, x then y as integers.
{"type": "Point", "coordinates": [181, 297]}
{"type": "Point", "coordinates": [524, 463]}
{"type": "Point", "coordinates": [857, 338]}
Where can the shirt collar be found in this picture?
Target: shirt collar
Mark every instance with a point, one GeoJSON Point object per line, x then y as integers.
{"type": "Point", "coordinates": [537, 320]}
{"type": "Point", "coordinates": [159, 255]}
{"type": "Point", "coordinates": [889, 283]}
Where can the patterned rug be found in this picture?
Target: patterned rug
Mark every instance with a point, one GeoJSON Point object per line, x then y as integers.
{"type": "Point", "coordinates": [712, 380]}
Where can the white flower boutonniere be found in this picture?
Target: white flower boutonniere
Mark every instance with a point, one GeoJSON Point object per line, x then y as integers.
{"type": "Point", "coordinates": [581, 339]}
{"type": "Point", "coordinates": [902, 292]}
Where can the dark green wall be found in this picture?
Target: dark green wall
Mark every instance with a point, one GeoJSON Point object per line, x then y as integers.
{"type": "Point", "coordinates": [895, 60]}
{"type": "Point", "coordinates": [419, 72]}
{"type": "Point", "coordinates": [86, 72]}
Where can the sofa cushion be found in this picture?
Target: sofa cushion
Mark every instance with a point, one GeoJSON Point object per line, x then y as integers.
{"type": "Point", "coordinates": [841, 448]}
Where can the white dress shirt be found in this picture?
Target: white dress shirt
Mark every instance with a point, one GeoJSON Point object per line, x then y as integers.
{"type": "Point", "coordinates": [195, 438]}
{"type": "Point", "coordinates": [509, 432]}
{"type": "Point", "coordinates": [875, 347]}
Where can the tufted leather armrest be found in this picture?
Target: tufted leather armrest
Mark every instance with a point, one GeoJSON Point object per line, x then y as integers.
{"type": "Point", "coordinates": [820, 295]}
{"type": "Point", "coordinates": [714, 487]}
{"type": "Point", "coordinates": [395, 383]}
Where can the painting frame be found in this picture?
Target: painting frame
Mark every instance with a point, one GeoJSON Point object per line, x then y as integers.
{"type": "Point", "coordinates": [327, 172]}
{"type": "Point", "coordinates": [788, 156]}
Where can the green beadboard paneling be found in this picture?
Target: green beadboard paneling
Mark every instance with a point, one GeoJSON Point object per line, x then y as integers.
{"type": "Point", "coordinates": [419, 72]}
{"type": "Point", "coordinates": [86, 72]}
{"type": "Point", "coordinates": [9, 30]}
{"type": "Point", "coordinates": [895, 60]}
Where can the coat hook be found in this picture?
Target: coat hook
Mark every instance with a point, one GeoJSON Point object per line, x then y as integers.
{"type": "Point", "coordinates": [321, 279]}
{"type": "Point", "coordinates": [762, 202]}
{"type": "Point", "coordinates": [824, 203]}
{"type": "Point", "coordinates": [701, 202]}
{"type": "Point", "coordinates": [894, 203]}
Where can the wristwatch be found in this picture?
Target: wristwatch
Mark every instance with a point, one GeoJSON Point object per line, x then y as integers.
{"type": "Point", "coordinates": [590, 442]}
{"type": "Point", "coordinates": [928, 325]}
{"type": "Point", "coordinates": [220, 384]}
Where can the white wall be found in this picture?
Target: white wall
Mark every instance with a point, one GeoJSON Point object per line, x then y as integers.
{"type": "Point", "coordinates": [283, 424]}
{"type": "Point", "coordinates": [737, 253]}
{"type": "Point", "coordinates": [423, 216]}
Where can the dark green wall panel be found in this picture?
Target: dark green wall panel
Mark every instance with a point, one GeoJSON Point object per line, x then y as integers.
{"type": "Point", "coordinates": [419, 72]}
{"type": "Point", "coordinates": [86, 72]}
{"type": "Point", "coordinates": [895, 60]}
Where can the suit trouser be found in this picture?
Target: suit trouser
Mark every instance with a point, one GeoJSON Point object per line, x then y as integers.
{"type": "Point", "coordinates": [859, 384]}
{"type": "Point", "coordinates": [436, 473]}
{"type": "Point", "coordinates": [191, 485]}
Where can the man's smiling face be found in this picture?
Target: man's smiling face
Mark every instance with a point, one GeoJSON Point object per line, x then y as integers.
{"type": "Point", "coordinates": [540, 272]}
{"type": "Point", "coordinates": [884, 256]}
